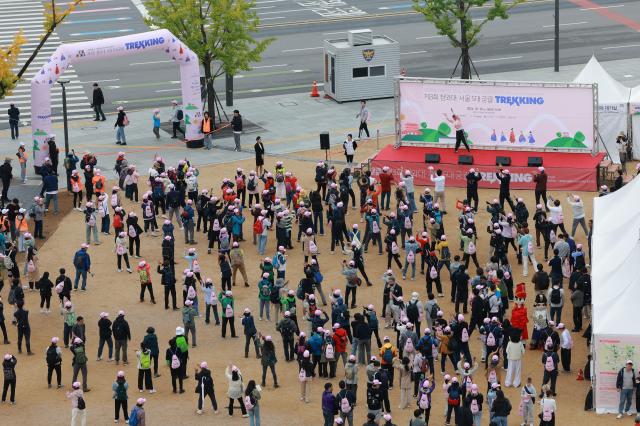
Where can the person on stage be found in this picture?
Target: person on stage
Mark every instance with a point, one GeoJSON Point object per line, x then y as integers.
{"type": "Point", "coordinates": [457, 124]}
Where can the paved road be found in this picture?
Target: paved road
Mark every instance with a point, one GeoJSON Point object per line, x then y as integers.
{"type": "Point", "coordinates": [295, 58]}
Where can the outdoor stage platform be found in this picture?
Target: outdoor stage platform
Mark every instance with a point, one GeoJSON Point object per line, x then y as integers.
{"type": "Point", "coordinates": [566, 170]}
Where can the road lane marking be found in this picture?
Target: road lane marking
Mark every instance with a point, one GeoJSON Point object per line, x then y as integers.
{"type": "Point", "coordinates": [498, 59]}
{"type": "Point", "coordinates": [413, 53]}
{"type": "Point", "coordinates": [87, 21]}
{"type": "Point", "coordinates": [532, 41]}
{"type": "Point", "coordinates": [427, 37]}
{"type": "Point", "coordinates": [124, 30]}
{"type": "Point", "coordinates": [621, 47]}
{"type": "Point", "coordinates": [269, 19]}
{"type": "Point", "coordinates": [302, 49]}
{"type": "Point", "coordinates": [566, 24]}
{"type": "Point", "coordinates": [285, 11]}
{"type": "Point", "coordinates": [601, 7]}
{"type": "Point", "coordinates": [150, 63]}
{"type": "Point", "coordinates": [110, 9]}
{"type": "Point", "coordinates": [270, 66]}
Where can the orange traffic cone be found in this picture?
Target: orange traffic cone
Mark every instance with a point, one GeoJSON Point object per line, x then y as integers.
{"type": "Point", "coordinates": [314, 89]}
{"type": "Point", "coordinates": [580, 375]}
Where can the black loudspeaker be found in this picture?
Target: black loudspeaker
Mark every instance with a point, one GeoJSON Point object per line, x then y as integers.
{"type": "Point", "coordinates": [534, 162]}
{"type": "Point", "coordinates": [465, 159]}
{"type": "Point", "coordinates": [432, 158]}
{"type": "Point", "coordinates": [503, 161]}
{"type": "Point", "coordinates": [324, 140]}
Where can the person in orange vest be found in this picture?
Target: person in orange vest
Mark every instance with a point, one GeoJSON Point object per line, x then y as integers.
{"type": "Point", "coordinates": [22, 227]}
{"type": "Point", "coordinates": [99, 182]}
{"type": "Point", "coordinates": [207, 130]}
{"type": "Point", "coordinates": [22, 159]}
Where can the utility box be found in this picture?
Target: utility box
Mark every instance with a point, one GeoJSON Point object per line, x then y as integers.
{"type": "Point", "coordinates": [361, 66]}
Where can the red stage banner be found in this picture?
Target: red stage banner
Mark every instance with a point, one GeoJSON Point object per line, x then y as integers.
{"type": "Point", "coordinates": [521, 177]}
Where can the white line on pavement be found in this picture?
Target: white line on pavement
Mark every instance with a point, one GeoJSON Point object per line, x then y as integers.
{"type": "Point", "coordinates": [413, 53]}
{"type": "Point", "coordinates": [301, 49]}
{"type": "Point", "coordinates": [335, 32]}
{"type": "Point", "coordinates": [262, 7]}
{"type": "Point", "coordinates": [101, 10]}
{"type": "Point", "coordinates": [270, 66]}
{"type": "Point", "coordinates": [270, 1]}
{"type": "Point", "coordinates": [426, 37]}
{"type": "Point", "coordinates": [499, 59]}
{"type": "Point", "coordinates": [566, 25]}
{"type": "Point", "coordinates": [149, 63]}
{"type": "Point", "coordinates": [601, 7]}
{"type": "Point", "coordinates": [285, 11]}
{"type": "Point", "coordinates": [269, 19]}
{"type": "Point", "coordinates": [168, 90]}
{"type": "Point", "coordinates": [621, 47]}
{"type": "Point", "coordinates": [98, 81]}
{"type": "Point", "coordinates": [532, 41]}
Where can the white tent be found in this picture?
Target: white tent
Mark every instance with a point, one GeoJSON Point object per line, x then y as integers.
{"type": "Point", "coordinates": [613, 97]}
{"type": "Point", "coordinates": [634, 111]}
{"type": "Point", "coordinates": [615, 289]}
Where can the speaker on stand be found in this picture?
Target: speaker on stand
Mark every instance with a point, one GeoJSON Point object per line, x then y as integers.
{"type": "Point", "coordinates": [324, 144]}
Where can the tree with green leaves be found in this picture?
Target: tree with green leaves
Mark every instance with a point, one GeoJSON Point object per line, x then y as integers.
{"type": "Point", "coordinates": [452, 19]}
{"type": "Point", "coordinates": [220, 32]}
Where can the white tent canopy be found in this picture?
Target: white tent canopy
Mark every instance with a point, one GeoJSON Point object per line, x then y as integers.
{"type": "Point", "coordinates": [615, 289]}
{"type": "Point", "coordinates": [613, 97]}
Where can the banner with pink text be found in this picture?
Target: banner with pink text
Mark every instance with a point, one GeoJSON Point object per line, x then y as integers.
{"type": "Point", "coordinates": [500, 114]}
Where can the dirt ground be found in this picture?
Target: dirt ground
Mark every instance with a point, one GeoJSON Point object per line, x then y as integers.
{"type": "Point", "coordinates": [111, 291]}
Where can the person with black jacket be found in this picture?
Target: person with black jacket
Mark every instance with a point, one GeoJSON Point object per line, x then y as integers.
{"type": "Point", "coordinates": [541, 187]}
{"type": "Point", "coordinates": [6, 176]}
{"type": "Point", "coordinates": [168, 281]}
{"type": "Point", "coordinates": [9, 370]}
{"type": "Point", "coordinates": [54, 362]}
{"type": "Point", "coordinates": [478, 311]}
{"type": "Point", "coordinates": [121, 122]}
{"type": "Point", "coordinates": [2, 324]}
{"type": "Point", "coordinates": [104, 335]}
{"type": "Point", "coordinates": [236, 127]}
{"type": "Point", "coordinates": [501, 408]}
{"type": "Point", "coordinates": [204, 387]}
{"type": "Point", "coordinates": [473, 177]}
{"type": "Point", "coordinates": [133, 231]}
{"type": "Point", "coordinates": [14, 120]}
{"type": "Point", "coordinates": [317, 210]}
{"type": "Point", "coordinates": [121, 335]}
{"type": "Point", "coordinates": [45, 286]}
{"type": "Point", "coordinates": [97, 102]}
{"type": "Point", "coordinates": [504, 195]}
{"type": "Point", "coordinates": [176, 370]}
{"type": "Point", "coordinates": [21, 317]}
{"type": "Point", "coordinates": [66, 286]}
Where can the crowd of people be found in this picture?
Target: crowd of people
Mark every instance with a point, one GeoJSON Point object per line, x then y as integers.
{"type": "Point", "coordinates": [357, 353]}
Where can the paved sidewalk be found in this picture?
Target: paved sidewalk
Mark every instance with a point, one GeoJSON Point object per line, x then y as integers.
{"type": "Point", "coordinates": [286, 123]}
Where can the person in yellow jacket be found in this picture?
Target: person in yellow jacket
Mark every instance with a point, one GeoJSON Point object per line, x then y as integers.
{"type": "Point", "coordinates": [388, 353]}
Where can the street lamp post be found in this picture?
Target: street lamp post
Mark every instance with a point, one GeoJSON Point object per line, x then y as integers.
{"type": "Point", "coordinates": [556, 47]}
{"type": "Point", "coordinates": [64, 115]}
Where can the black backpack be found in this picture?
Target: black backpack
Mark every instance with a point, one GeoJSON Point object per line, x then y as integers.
{"type": "Point", "coordinates": [52, 356]}
{"type": "Point", "coordinates": [555, 296]}
{"type": "Point", "coordinates": [412, 311]}
{"type": "Point", "coordinates": [179, 114]}
{"type": "Point", "coordinates": [434, 311]}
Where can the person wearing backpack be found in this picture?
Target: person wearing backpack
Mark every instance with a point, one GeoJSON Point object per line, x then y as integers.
{"type": "Point", "coordinates": [91, 223]}
{"type": "Point", "coordinates": [78, 404]}
{"type": "Point", "coordinates": [54, 362]}
{"type": "Point", "coordinates": [555, 295]}
{"type": "Point", "coordinates": [189, 321]}
{"type": "Point", "coordinates": [387, 354]}
{"type": "Point", "coordinates": [527, 401]}
{"type": "Point", "coordinates": [204, 387]}
{"type": "Point", "coordinates": [138, 415]}
{"type": "Point", "coordinates": [500, 409]}
{"type": "Point", "coordinates": [236, 257]}
{"type": "Point", "coordinates": [121, 336]}
{"type": "Point", "coordinates": [250, 332]}
{"type": "Point", "coordinates": [550, 364]}
{"type": "Point", "coordinates": [144, 273]}
{"type": "Point", "coordinates": [411, 249]}
{"type": "Point", "coordinates": [227, 306]}
{"type": "Point", "coordinates": [120, 397]}
{"type": "Point", "coordinates": [469, 247]}
{"type": "Point", "coordinates": [393, 251]}
{"type": "Point", "coordinates": [548, 409]}
{"type": "Point", "coordinates": [210, 301]}
{"type": "Point", "coordinates": [173, 356]}
{"type": "Point", "coordinates": [133, 231]}
{"type": "Point", "coordinates": [474, 400]}
{"type": "Point", "coordinates": [82, 263]}
{"type": "Point", "coordinates": [252, 395]}
{"type": "Point", "coordinates": [21, 320]}
{"type": "Point", "coordinates": [453, 400]}
{"type": "Point", "coordinates": [79, 362]}
{"type": "Point", "coordinates": [345, 399]}
{"type": "Point", "coordinates": [287, 328]}
{"type": "Point", "coordinates": [268, 360]}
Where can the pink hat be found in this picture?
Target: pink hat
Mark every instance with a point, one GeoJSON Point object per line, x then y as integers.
{"type": "Point", "coordinates": [75, 385]}
{"type": "Point", "coordinates": [204, 364]}
{"type": "Point", "coordinates": [460, 317]}
{"type": "Point", "coordinates": [141, 401]}
{"type": "Point", "coordinates": [495, 385]}
{"type": "Point", "coordinates": [77, 340]}
{"type": "Point", "coordinates": [268, 338]}
{"type": "Point", "coordinates": [387, 417]}
{"type": "Point", "coordinates": [120, 373]}
{"type": "Point", "coordinates": [305, 353]}
{"type": "Point", "coordinates": [447, 377]}
{"type": "Point", "coordinates": [54, 340]}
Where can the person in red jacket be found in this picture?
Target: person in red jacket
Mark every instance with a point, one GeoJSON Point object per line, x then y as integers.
{"type": "Point", "coordinates": [340, 340]}
{"type": "Point", "coordinates": [386, 181]}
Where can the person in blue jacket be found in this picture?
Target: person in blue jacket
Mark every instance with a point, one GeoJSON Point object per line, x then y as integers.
{"type": "Point", "coordinates": [82, 263]}
{"type": "Point", "coordinates": [236, 225]}
{"type": "Point", "coordinates": [315, 343]}
{"type": "Point", "coordinates": [188, 223]}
